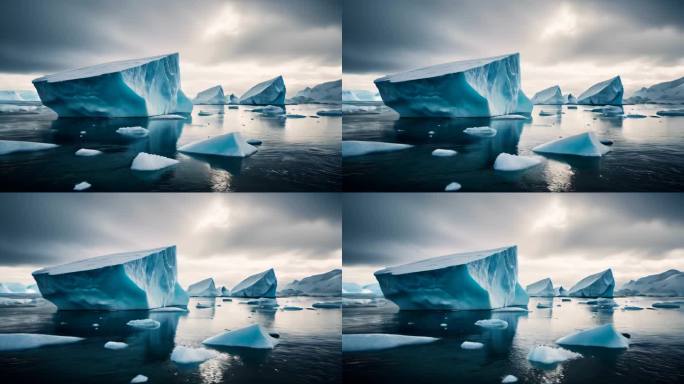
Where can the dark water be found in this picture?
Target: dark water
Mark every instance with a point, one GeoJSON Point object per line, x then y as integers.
{"type": "Point", "coordinates": [647, 154]}
{"type": "Point", "coordinates": [308, 351]}
{"type": "Point", "coordinates": [296, 155]}
{"type": "Point", "coordinates": [654, 356]}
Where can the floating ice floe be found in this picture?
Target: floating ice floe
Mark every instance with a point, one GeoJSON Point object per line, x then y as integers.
{"type": "Point", "coordinates": [597, 285]}
{"type": "Point", "coordinates": [269, 92]}
{"type": "Point", "coordinates": [252, 336]}
{"type": "Point", "coordinates": [492, 323]}
{"type": "Point", "coordinates": [509, 379]}
{"type": "Point", "coordinates": [188, 355]}
{"type": "Point", "coordinates": [115, 345]}
{"type": "Point", "coordinates": [168, 117]}
{"type": "Point", "coordinates": [20, 341]}
{"type": "Point", "coordinates": [510, 117]}
{"type": "Point", "coordinates": [330, 112]}
{"type": "Point", "coordinates": [671, 112]}
{"type": "Point", "coordinates": [295, 116]}
{"type": "Point", "coordinates": [379, 341]}
{"type": "Point", "coordinates": [583, 144]}
{"type": "Point", "coordinates": [11, 146]}
{"type": "Point", "coordinates": [144, 324]}
{"type": "Point", "coordinates": [203, 288]}
{"type": "Point", "coordinates": [549, 113]}
{"type": "Point", "coordinates": [169, 309]}
{"type": "Point", "coordinates": [635, 116]}
{"type": "Point", "coordinates": [261, 284]}
{"type": "Point", "coordinates": [292, 308]}
{"type": "Point", "coordinates": [271, 110]}
{"type": "Point", "coordinates": [508, 162]}
{"type": "Point", "coordinates": [213, 95]}
{"type": "Point", "coordinates": [201, 305]}
{"type": "Point", "coordinates": [480, 131]}
{"type": "Point", "coordinates": [613, 111]}
{"type": "Point", "coordinates": [604, 336]}
{"type": "Point", "coordinates": [150, 162]}
{"type": "Point", "coordinates": [128, 88]}
{"type": "Point", "coordinates": [665, 305]}
{"type": "Point", "coordinates": [87, 152]}
{"type": "Point", "coordinates": [547, 355]}
{"type": "Point", "coordinates": [327, 304]}
{"type": "Point", "coordinates": [469, 88]}
{"type": "Point", "coordinates": [82, 186]}
{"type": "Point", "coordinates": [549, 96]}
{"type": "Point", "coordinates": [541, 288]}
{"type": "Point", "coordinates": [359, 148]}
{"type": "Point", "coordinates": [139, 379]}
{"type": "Point", "coordinates": [452, 187]}
{"type": "Point", "coordinates": [229, 145]}
{"type": "Point", "coordinates": [471, 345]}
{"type": "Point", "coordinates": [607, 92]}
{"type": "Point", "coordinates": [511, 309]}
{"type": "Point", "coordinates": [136, 132]}
{"type": "Point", "coordinates": [444, 152]}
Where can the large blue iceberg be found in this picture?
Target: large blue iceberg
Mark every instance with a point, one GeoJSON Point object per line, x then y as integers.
{"type": "Point", "coordinates": [470, 88]}
{"type": "Point", "coordinates": [465, 281]}
{"type": "Point", "coordinates": [549, 96]}
{"type": "Point", "coordinates": [123, 281]}
{"type": "Point", "coordinates": [128, 88]}
{"type": "Point", "coordinates": [607, 92]}
{"type": "Point", "coordinates": [262, 284]}
{"type": "Point", "coordinates": [597, 285]}
{"type": "Point", "coordinates": [269, 92]}
{"type": "Point", "coordinates": [324, 284]}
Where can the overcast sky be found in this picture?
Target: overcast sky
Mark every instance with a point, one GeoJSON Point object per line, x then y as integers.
{"type": "Point", "coordinates": [227, 237]}
{"type": "Point", "coordinates": [570, 43]}
{"type": "Point", "coordinates": [233, 43]}
{"type": "Point", "coordinates": [562, 236]}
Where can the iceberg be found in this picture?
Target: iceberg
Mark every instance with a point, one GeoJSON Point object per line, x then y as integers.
{"type": "Point", "coordinates": [10, 96]}
{"type": "Point", "coordinates": [508, 162]}
{"type": "Point", "coordinates": [377, 341]}
{"type": "Point", "coordinates": [360, 95]}
{"type": "Point", "coordinates": [252, 336]}
{"type": "Point", "coordinates": [82, 186]}
{"type": "Point", "coordinates": [149, 162]}
{"type": "Point", "coordinates": [232, 99]}
{"type": "Point", "coordinates": [269, 92]}
{"type": "Point", "coordinates": [115, 345]}
{"type": "Point", "coordinates": [188, 355]}
{"type": "Point", "coordinates": [470, 88]}
{"type": "Point", "coordinates": [671, 112]}
{"type": "Point", "coordinates": [262, 284]}
{"type": "Point", "coordinates": [668, 283]}
{"type": "Point", "coordinates": [560, 291]}
{"type": "Point", "coordinates": [569, 99]}
{"type": "Point", "coordinates": [607, 92]}
{"type": "Point", "coordinates": [549, 96]}
{"type": "Point", "coordinates": [324, 284]}
{"type": "Point", "coordinates": [230, 145]}
{"type": "Point", "coordinates": [604, 336]}
{"type": "Point", "coordinates": [351, 288]}
{"type": "Point", "coordinates": [144, 324]}
{"type": "Point", "coordinates": [463, 281]}
{"type": "Point", "coordinates": [213, 95]}
{"type": "Point", "coordinates": [509, 379]}
{"type": "Point", "coordinates": [20, 341]}
{"type": "Point", "coordinates": [123, 281]}
{"type": "Point", "coordinates": [128, 88]}
{"type": "Point", "coordinates": [666, 92]}
{"type": "Point", "coordinates": [597, 285]}
{"type": "Point", "coordinates": [480, 131]}
{"type": "Point", "coordinates": [444, 152]}
{"type": "Point", "coordinates": [360, 148]}
{"type": "Point", "coordinates": [373, 289]}
{"type": "Point", "coordinates": [11, 146]}
{"type": "Point", "coordinates": [139, 379]}
{"type": "Point", "coordinates": [223, 291]}
{"type": "Point", "coordinates": [546, 355]}
{"type": "Point", "coordinates": [87, 152]}
{"type": "Point", "coordinates": [204, 288]}
{"type": "Point", "coordinates": [8, 287]}
{"type": "Point", "coordinates": [583, 144]}
{"type": "Point", "coordinates": [328, 92]}
{"type": "Point", "coordinates": [521, 298]}
{"type": "Point", "coordinates": [452, 187]}
{"type": "Point", "coordinates": [542, 288]}
{"type": "Point", "coordinates": [492, 323]}
{"type": "Point", "coordinates": [135, 132]}
{"type": "Point", "coordinates": [471, 345]}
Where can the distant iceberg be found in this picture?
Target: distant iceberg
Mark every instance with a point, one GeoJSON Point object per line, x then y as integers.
{"type": "Point", "coordinates": [232, 99]}
{"type": "Point", "coordinates": [262, 284]}
{"type": "Point", "coordinates": [607, 92]}
{"type": "Point", "coordinates": [549, 96]}
{"type": "Point", "coordinates": [583, 144]}
{"type": "Point", "coordinates": [542, 288]}
{"type": "Point", "coordinates": [469, 88]}
{"type": "Point", "coordinates": [560, 291]}
{"type": "Point", "coordinates": [252, 336]}
{"type": "Point", "coordinates": [666, 92]}
{"type": "Point", "coordinates": [11, 146]}
{"type": "Point", "coordinates": [324, 284]}
{"type": "Point", "coordinates": [668, 283]}
{"type": "Point", "coordinates": [213, 95]}
{"type": "Point", "coordinates": [359, 148]}
{"type": "Point", "coordinates": [269, 92]}
{"type": "Point", "coordinates": [569, 99]}
{"type": "Point", "coordinates": [671, 112]}
{"type": "Point", "coordinates": [128, 88]}
{"type": "Point", "coordinates": [604, 336]}
{"type": "Point", "coordinates": [204, 288]}
{"type": "Point", "coordinates": [328, 92]}
{"type": "Point", "coordinates": [230, 145]}
{"type": "Point", "coordinates": [378, 341]}
{"type": "Point", "coordinates": [20, 341]}
{"type": "Point", "coordinates": [597, 285]}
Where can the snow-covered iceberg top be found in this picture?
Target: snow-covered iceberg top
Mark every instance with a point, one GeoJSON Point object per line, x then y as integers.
{"type": "Point", "coordinates": [129, 88]}
{"type": "Point", "coordinates": [469, 88]}
{"type": "Point", "coordinates": [583, 144]}
{"type": "Point", "coordinates": [324, 284]}
{"type": "Point", "coordinates": [230, 145]}
{"type": "Point", "coordinates": [213, 95]}
{"type": "Point", "coordinates": [551, 96]}
{"type": "Point", "coordinates": [20, 341]}
{"type": "Point", "coordinates": [132, 280]}
{"type": "Point", "coordinates": [608, 92]}
{"type": "Point", "coordinates": [252, 336]}
{"type": "Point", "coordinates": [464, 281]}
{"type": "Point", "coordinates": [269, 92]}
{"type": "Point", "coordinates": [377, 341]}
{"type": "Point", "coordinates": [597, 285]}
{"type": "Point", "coordinates": [604, 336]}
{"type": "Point", "coordinates": [204, 288]}
{"type": "Point", "coordinates": [262, 284]}
{"type": "Point", "coordinates": [541, 288]}
{"type": "Point", "coordinates": [668, 283]}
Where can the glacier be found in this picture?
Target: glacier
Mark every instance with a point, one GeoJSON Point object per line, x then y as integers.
{"type": "Point", "coordinates": [12, 146]}
{"type": "Point", "coordinates": [470, 88]}
{"type": "Point", "coordinates": [204, 288]}
{"type": "Point", "coordinates": [262, 284]}
{"type": "Point", "coordinates": [230, 145]}
{"type": "Point", "coordinates": [377, 341]}
{"type": "Point", "coordinates": [583, 144]}
{"type": "Point", "coordinates": [604, 336]}
{"type": "Point", "coordinates": [324, 284]}
{"type": "Point", "coordinates": [541, 288]}
{"type": "Point", "coordinates": [549, 96]}
{"type": "Point", "coordinates": [668, 283]}
{"type": "Point", "coordinates": [20, 341]}
{"type": "Point", "coordinates": [607, 92]}
{"type": "Point", "coordinates": [326, 93]}
{"type": "Point", "coordinates": [597, 285]}
{"type": "Point", "coordinates": [360, 148]}
{"type": "Point", "coordinates": [128, 88]}
{"type": "Point", "coordinates": [269, 92]}
{"type": "Point", "coordinates": [252, 336]}
{"type": "Point", "coordinates": [464, 281]}
{"type": "Point", "coordinates": [122, 281]}
{"type": "Point", "coordinates": [508, 162]}
{"type": "Point", "coordinates": [213, 95]}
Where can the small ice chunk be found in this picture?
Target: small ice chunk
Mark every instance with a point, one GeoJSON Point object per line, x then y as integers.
{"type": "Point", "coordinates": [635, 116]}
{"type": "Point", "coordinates": [139, 379]}
{"type": "Point", "coordinates": [169, 309]}
{"type": "Point", "coordinates": [167, 117]}
{"type": "Point", "coordinates": [204, 113]}
{"type": "Point", "coordinates": [671, 112]}
{"type": "Point", "coordinates": [188, 355]}
{"type": "Point", "coordinates": [471, 345]}
{"type": "Point", "coordinates": [87, 152]}
{"type": "Point", "coordinates": [632, 308]}
{"type": "Point", "coordinates": [137, 132]}
{"type": "Point", "coordinates": [510, 309]}
{"type": "Point", "coordinates": [11, 146]}
{"type": "Point", "coordinates": [115, 345]}
{"type": "Point", "coordinates": [295, 116]}
{"type": "Point", "coordinates": [664, 305]}
{"type": "Point", "coordinates": [583, 144]}
{"type": "Point", "coordinates": [292, 308]}
{"type": "Point", "coordinates": [82, 186]}
{"type": "Point", "coordinates": [330, 112]}
{"type": "Point", "coordinates": [230, 145]}
{"type": "Point", "coordinates": [480, 131]}
{"type": "Point", "coordinates": [359, 148]}
{"type": "Point", "coordinates": [509, 379]}
{"type": "Point", "coordinates": [452, 187]}
{"type": "Point", "coordinates": [144, 324]}
{"type": "Point", "coordinates": [271, 110]}
{"type": "Point", "coordinates": [253, 336]}
{"type": "Point", "coordinates": [19, 341]}
{"type": "Point", "coordinates": [327, 304]}
{"type": "Point", "coordinates": [545, 354]}
{"type": "Point", "coordinates": [549, 113]}
{"type": "Point", "coordinates": [508, 162]}
{"type": "Point", "coordinates": [254, 142]}
{"type": "Point", "coordinates": [444, 152]}
{"type": "Point", "coordinates": [150, 162]}
{"type": "Point", "coordinates": [492, 323]}
{"type": "Point", "coordinates": [378, 341]}
{"type": "Point", "coordinates": [604, 336]}
{"type": "Point", "coordinates": [204, 305]}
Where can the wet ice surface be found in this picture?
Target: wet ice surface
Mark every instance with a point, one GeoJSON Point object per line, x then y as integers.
{"type": "Point", "coordinates": [647, 154]}
{"type": "Point", "coordinates": [308, 350]}
{"type": "Point", "coordinates": [656, 345]}
{"type": "Point", "coordinates": [296, 155]}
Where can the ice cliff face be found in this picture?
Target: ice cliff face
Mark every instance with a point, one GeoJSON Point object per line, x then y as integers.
{"type": "Point", "coordinates": [262, 284]}
{"type": "Point", "coordinates": [549, 96]}
{"type": "Point", "coordinates": [597, 285]}
{"type": "Point", "coordinates": [607, 92]}
{"type": "Point", "coordinates": [124, 281]}
{"type": "Point", "coordinates": [324, 284]}
{"type": "Point", "coordinates": [465, 281]}
{"type": "Point", "coordinates": [269, 92]}
{"type": "Point", "coordinates": [204, 288]}
{"type": "Point", "coordinates": [129, 88]}
{"type": "Point", "coordinates": [470, 88]}
{"type": "Point", "coordinates": [213, 95]}
{"type": "Point", "coordinates": [542, 288]}
{"type": "Point", "coordinates": [329, 92]}
{"type": "Point", "coordinates": [668, 283]}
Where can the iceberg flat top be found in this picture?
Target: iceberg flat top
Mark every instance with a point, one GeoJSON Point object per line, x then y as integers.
{"type": "Point", "coordinates": [98, 262]}
{"type": "Point", "coordinates": [598, 87]}
{"type": "Point", "coordinates": [440, 69]}
{"type": "Point", "coordinates": [257, 89]}
{"type": "Point", "coordinates": [99, 69]}
{"type": "Point", "coordinates": [251, 280]}
{"type": "Point", "coordinates": [440, 262]}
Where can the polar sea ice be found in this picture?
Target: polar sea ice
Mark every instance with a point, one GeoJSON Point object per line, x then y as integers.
{"type": "Point", "coordinates": [20, 341]}
{"type": "Point", "coordinates": [150, 162]}
{"type": "Point", "coordinates": [584, 144]}
{"type": "Point", "coordinates": [378, 341]}
{"type": "Point", "coordinates": [12, 146]}
{"type": "Point", "coordinates": [604, 336]}
{"type": "Point", "coordinates": [230, 145]}
{"type": "Point", "coordinates": [252, 336]}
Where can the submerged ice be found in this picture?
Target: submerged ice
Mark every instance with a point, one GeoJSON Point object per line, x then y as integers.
{"type": "Point", "coordinates": [360, 148]}
{"type": "Point", "coordinates": [20, 341]}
